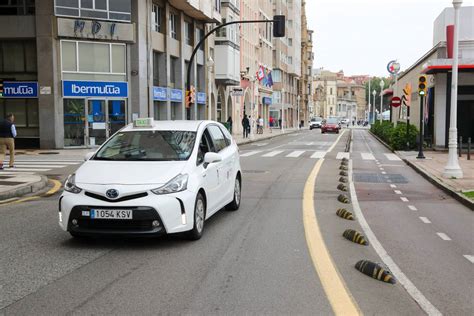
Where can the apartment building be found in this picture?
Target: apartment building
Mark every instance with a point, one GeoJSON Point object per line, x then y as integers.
{"type": "Point", "coordinates": [307, 56]}
{"type": "Point", "coordinates": [325, 92]}
{"type": "Point", "coordinates": [78, 70]}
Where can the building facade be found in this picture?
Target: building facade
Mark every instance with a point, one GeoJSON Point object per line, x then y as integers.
{"type": "Point", "coordinates": [307, 56]}
{"type": "Point", "coordinates": [77, 71]}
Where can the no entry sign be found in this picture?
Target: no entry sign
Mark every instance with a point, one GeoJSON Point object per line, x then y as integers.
{"type": "Point", "coordinates": [396, 102]}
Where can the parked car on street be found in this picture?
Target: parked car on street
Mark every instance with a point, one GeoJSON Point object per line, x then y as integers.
{"type": "Point", "coordinates": [330, 125]}
{"type": "Point", "coordinates": [315, 122]}
{"type": "Point", "coordinates": [153, 178]}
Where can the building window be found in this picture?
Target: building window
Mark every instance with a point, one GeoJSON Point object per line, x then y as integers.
{"type": "Point", "coordinates": [217, 5]}
{"type": "Point", "coordinates": [199, 36]}
{"type": "Point", "coordinates": [173, 25]}
{"type": "Point", "coordinates": [290, 42]}
{"type": "Point", "coordinates": [117, 10]}
{"type": "Point", "coordinates": [188, 32]}
{"type": "Point", "coordinates": [93, 61]}
{"type": "Point", "coordinates": [174, 69]}
{"type": "Point", "coordinates": [290, 60]}
{"type": "Point", "coordinates": [331, 91]}
{"type": "Point", "coordinates": [18, 56]}
{"type": "Point", "coordinates": [290, 24]}
{"type": "Point", "coordinates": [157, 15]}
{"type": "Point", "coordinates": [17, 7]}
{"type": "Point", "coordinates": [276, 75]}
{"type": "Point", "coordinates": [222, 31]}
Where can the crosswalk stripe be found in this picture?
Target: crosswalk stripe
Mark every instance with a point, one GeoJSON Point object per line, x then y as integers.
{"type": "Point", "coordinates": [367, 156]}
{"type": "Point", "coordinates": [273, 153]}
{"type": "Point", "coordinates": [392, 157]}
{"type": "Point", "coordinates": [295, 153]}
{"type": "Point", "coordinates": [20, 165]}
{"type": "Point", "coordinates": [26, 169]}
{"type": "Point", "coordinates": [250, 153]}
{"type": "Point", "coordinates": [44, 163]}
{"type": "Point", "coordinates": [318, 154]}
{"type": "Point", "coordinates": [341, 155]}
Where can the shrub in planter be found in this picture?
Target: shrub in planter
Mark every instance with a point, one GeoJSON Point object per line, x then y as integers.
{"type": "Point", "coordinates": [398, 137]}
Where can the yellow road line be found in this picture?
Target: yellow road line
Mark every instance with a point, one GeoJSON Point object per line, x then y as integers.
{"type": "Point", "coordinates": [56, 186]}
{"type": "Point", "coordinates": [338, 295]}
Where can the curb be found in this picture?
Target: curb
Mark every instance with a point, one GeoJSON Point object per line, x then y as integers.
{"type": "Point", "coordinates": [26, 189]}
{"type": "Point", "coordinates": [433, 180]}
{"type": "Point", "coordinates": [264, 138]}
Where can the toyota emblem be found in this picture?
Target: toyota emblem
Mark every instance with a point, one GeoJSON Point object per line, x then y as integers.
{"type": "Point", "coordinates": [112, 193]}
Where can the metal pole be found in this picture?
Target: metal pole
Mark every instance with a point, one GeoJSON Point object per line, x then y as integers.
{"type": "Point", "coordinates": [381, 100]}
{"type": "Point", "coordinates": [460, 146]}
{"type": "Point", "coordinates": [298, 113]}
{"type": "Point", "coordinates": [420, 143]}
{"type": "Point", "coordinates": [452, 168]}
{"type": "Point", "coordinates": [282, 110]}
{"type": "Point", "coordinates": [469, 148]}
{"type": "Point", "coordinates": [408, 128]}
{"type": "Point", "coordinates": [368, 93]}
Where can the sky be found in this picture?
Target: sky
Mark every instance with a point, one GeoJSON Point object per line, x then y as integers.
{"type": "Point", "coordinates": [362, 36]}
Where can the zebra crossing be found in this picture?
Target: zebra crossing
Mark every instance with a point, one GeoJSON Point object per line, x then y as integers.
{"type": "Point", "coordinates": [35, 164]}
{"type": "Point", "coordinates": [297, 153]}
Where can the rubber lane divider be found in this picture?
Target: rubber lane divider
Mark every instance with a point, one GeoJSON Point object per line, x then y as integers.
{"type": "Point", "coordinates": [343, 213]}
{"type": "Point", "coordinates": [375, 271]}
{"type": "Point", "coordinates": [355, 237]}
{"type": "Point", "coordinates": [343, 168]}
{"type": "Point", "coordinates": [341, 300]}
{"type": "Point", "coordinates": [343, 199]}
{"type": "Point", "coordinates": [342, 187]}
{"type": "Point", "coordinates": [343, 173]}
{"type": "Point", "coordinates": [343, 179]}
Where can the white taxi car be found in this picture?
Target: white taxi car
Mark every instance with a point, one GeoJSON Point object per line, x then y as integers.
{"type": "Point", "coordinates": [154, 177]}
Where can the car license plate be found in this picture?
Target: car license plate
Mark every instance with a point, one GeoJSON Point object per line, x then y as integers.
{"type": "Point", "coordinates": [110, 214]}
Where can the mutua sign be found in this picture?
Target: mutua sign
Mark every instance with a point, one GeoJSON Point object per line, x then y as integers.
{"type": "Point", "coordinates": [20, 89]}
{"type": "Point", "coordinates": [84, 89]}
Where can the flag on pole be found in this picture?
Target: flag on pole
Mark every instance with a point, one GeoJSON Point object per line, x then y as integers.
{"type": "Point", "coordinates": [260, 73]}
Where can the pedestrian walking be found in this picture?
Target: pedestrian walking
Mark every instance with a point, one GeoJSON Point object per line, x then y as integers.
{"type": "Point", "coordinates": [271, 122]}
{"type": "Point", "coordinates": [7, 139]}
{"type": "Point", "coordinates": [229, 122]}
{"type": "Point", "coordinates": [245, 126]}
{"type": "Point", "coordinates": [279, 123]}
{"type": "Point", "coordinates": [260, 124]}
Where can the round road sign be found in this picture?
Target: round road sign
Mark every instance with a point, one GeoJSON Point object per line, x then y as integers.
{"type": "Point", "coordinates": [396, 102]}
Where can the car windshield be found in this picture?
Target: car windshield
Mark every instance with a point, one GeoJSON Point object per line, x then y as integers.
{"type": "Point", "coordinates": [148, 146]}
{"type": "Point", "coordinates": [316, 119]}
{"type": "Point", "coordinates": [331, 121]}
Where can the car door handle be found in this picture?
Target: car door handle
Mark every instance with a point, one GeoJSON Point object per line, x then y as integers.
{"type": "Point", "coordinates": [204, 175]}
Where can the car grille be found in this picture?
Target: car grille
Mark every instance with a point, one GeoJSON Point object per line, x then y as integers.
{"type": "Point", "coordinates": [115, 224]}
{"type": "Point", "coordinates": [125, 198]}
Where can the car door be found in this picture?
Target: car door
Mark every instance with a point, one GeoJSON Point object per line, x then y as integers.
{"type": "Point", "coordinates": [226, 179]}
{"type": "Point", "coordinates": [209, 173]}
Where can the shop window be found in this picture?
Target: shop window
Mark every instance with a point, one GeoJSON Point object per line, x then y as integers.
{"type": "Point", "coordinates": [95, 9]}
{"type": "Point", "coordinates": [157, 17]}
{"type": "Point", "coordinates": [74, 122]}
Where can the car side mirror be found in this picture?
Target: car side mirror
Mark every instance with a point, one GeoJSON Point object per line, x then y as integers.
{"type": "Point", "coordinates": [89, 155]}
{"type": "Point", "coordinates": [211, 157]}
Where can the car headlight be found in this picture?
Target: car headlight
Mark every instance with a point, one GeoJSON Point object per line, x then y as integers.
{"type": "Point", "coordinates": [177, 184]}
{"type": "Point", "coordinates": [70, 184]}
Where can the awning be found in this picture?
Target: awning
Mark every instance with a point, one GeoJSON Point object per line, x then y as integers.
{"type": "Point", "coordinates": [436, 66]}
{"type": "Point", "coordinates": [387, 92]}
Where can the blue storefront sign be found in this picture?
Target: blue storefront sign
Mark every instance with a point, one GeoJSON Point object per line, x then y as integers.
{"type": "Point", "coordinates": [267, 100]}
{"type": "Point", "coordinates": [160, 94]}
{"type": "Point", "coordinates": [20, 89]}
{"type": "Point", "coordinates": [201, 98]}
{"type": "Point", "coordinates": [84, 89]}
{"type": "Point", "coordinates": [176, 95]}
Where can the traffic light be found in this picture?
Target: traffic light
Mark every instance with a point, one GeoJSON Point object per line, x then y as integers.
{"type": "Point", "coordinates": [422, 85]}
{"type": "Point", "coordinates": [188, 98]}
{"type": "Point", "coordinates": [278, 26]}
{"type": "Point", "coordinates": [1, 88]}
{"type": "Point", "coordinates": [193, 94]}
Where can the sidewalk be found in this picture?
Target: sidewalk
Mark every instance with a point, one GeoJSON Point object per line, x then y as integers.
{"type": "Point", "coordinates": [432, 169]}
{"type": "Point", "coordinates": [15, 184]}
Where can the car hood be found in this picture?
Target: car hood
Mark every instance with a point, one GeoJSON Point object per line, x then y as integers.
{"type": "Point", "coordinates": [128, 172]}
{"type": "Point", "coordinates": [331, 125]}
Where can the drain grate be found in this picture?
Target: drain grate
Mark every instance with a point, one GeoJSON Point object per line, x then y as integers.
{"type": "Point", "coordinates": [378, 178]}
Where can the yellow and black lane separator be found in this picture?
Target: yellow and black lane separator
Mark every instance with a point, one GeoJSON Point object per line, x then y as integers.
{"type": "Point", "coordinates": [342, 187]}
{"type": "Point", "coordinates": [344, 163]}
{"type": "Point", "coordinates": [343, 199]}
{"type": "Point", "coordinates": [345, 159]}
{"type": "Point", "coordinates": [375, 271]}
{"type": "Point", "coordinates": [343, 173]}
{"type": "Point", "coordinates": [343, 179]}
{"type": "Point", "coordinates": [355, 237]}
{"type": "Point", "coordinates": [343, 213]}
{"type": "Point", "coordinates": [343, 168]}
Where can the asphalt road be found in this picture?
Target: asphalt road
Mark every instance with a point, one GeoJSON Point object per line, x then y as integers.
{"type": "Point", "coordinates": [253, 261]}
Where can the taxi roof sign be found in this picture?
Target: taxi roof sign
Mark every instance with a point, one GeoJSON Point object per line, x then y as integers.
{"type": "Point", "coordinates": [143, 122]}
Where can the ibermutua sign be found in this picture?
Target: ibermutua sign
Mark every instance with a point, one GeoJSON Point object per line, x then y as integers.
{"type": "Point", "coordinates": [95, 89]}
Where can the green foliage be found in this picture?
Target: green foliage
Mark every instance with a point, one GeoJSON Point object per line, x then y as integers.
{"type": "Point", "coordinates": [395, 137]}
{"type": "Point", "coordinates": [469, 194]}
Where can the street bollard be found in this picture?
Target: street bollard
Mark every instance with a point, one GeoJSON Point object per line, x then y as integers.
{"type": "Point", "coordinates": [469, 148]}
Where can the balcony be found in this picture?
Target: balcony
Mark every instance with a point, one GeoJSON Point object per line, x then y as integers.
{"type": "Point", "coordinates": [201, 10]}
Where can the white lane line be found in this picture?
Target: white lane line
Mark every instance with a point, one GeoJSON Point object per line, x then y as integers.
{"type": "Point", "coordinates": [273, 153]}
{"type": "Point", "coordinates": [35, 162]}
{"type": "Point", "coordinates": [384, 172]}
{"type": "Point", "coordinates": [469, 257]}
{"type": "Point", "coordinates": [443, 236]}
{"type": "Point", "coordinates": [21, 165]}
{"type": "Point", "coordinates": [341, 155]}
{"type": "Point", "coordinates": [404, 199]}
{"type": "Point", "coordinates": [412, 207]}
{"type": "Point", "coordinates": [381, 169]}
{"type": "Point", "coordinates": [389, 181]}
{"type": "Point", "coordinates": [260, 144]}
{"type": "Point", "coordinates": [412, 290]}
{"type": "Point", "coordinates": [367, 156]}
{"type": "Point", "coordinates": [26, 170]}
{"type": "Point", "coordinates": [425, 220]}
{"type": "Point", "coordinates": [295, 153]}
{"type": "Point", "coordinates": [393, 186]}
{"type": "Point", "coordinates": [250, 153]}
{"type": "Point", "coordinates": [318, 154]}
{"type": "Point", "coordinates": [397, 191]}
{"type": "Point", "coordinates": [392, 157]}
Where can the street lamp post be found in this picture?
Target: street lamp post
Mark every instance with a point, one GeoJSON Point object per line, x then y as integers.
{"type": "Point", "coordinates": [210, 65]}
{"type": "Point", "coordinates": [252, 109]}
{"type": "Point", "coordinates": [368, 94]}
{"type": "Point", "coordinates": [374, 93]}
{"type": "Point", "coordinates": [452, 168]}
{"type": "Point", "coordinates": [282, 110]}
{"type": "Point", "coordinates": [298, 98]}
{"type": "Point", "coordinates": [382, 84]}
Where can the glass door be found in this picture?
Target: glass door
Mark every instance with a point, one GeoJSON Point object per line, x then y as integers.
{"type": "Point", "coordinates": [96, 119]}
{"type": "Point", "coordinates": [116, 116]}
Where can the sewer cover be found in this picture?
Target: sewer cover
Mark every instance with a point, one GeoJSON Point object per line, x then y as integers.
{"type": "Point", "coordinates": [378, 178]}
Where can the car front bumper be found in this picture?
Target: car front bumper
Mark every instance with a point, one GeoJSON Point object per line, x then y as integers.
{"type": "Point", "coordinates": [174, 213]}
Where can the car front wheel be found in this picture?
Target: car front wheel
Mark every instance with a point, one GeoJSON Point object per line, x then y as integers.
{"type": "Point", "coordinates": [199, 218]}
{"type": "Point", "coordinates": [235, 204]}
